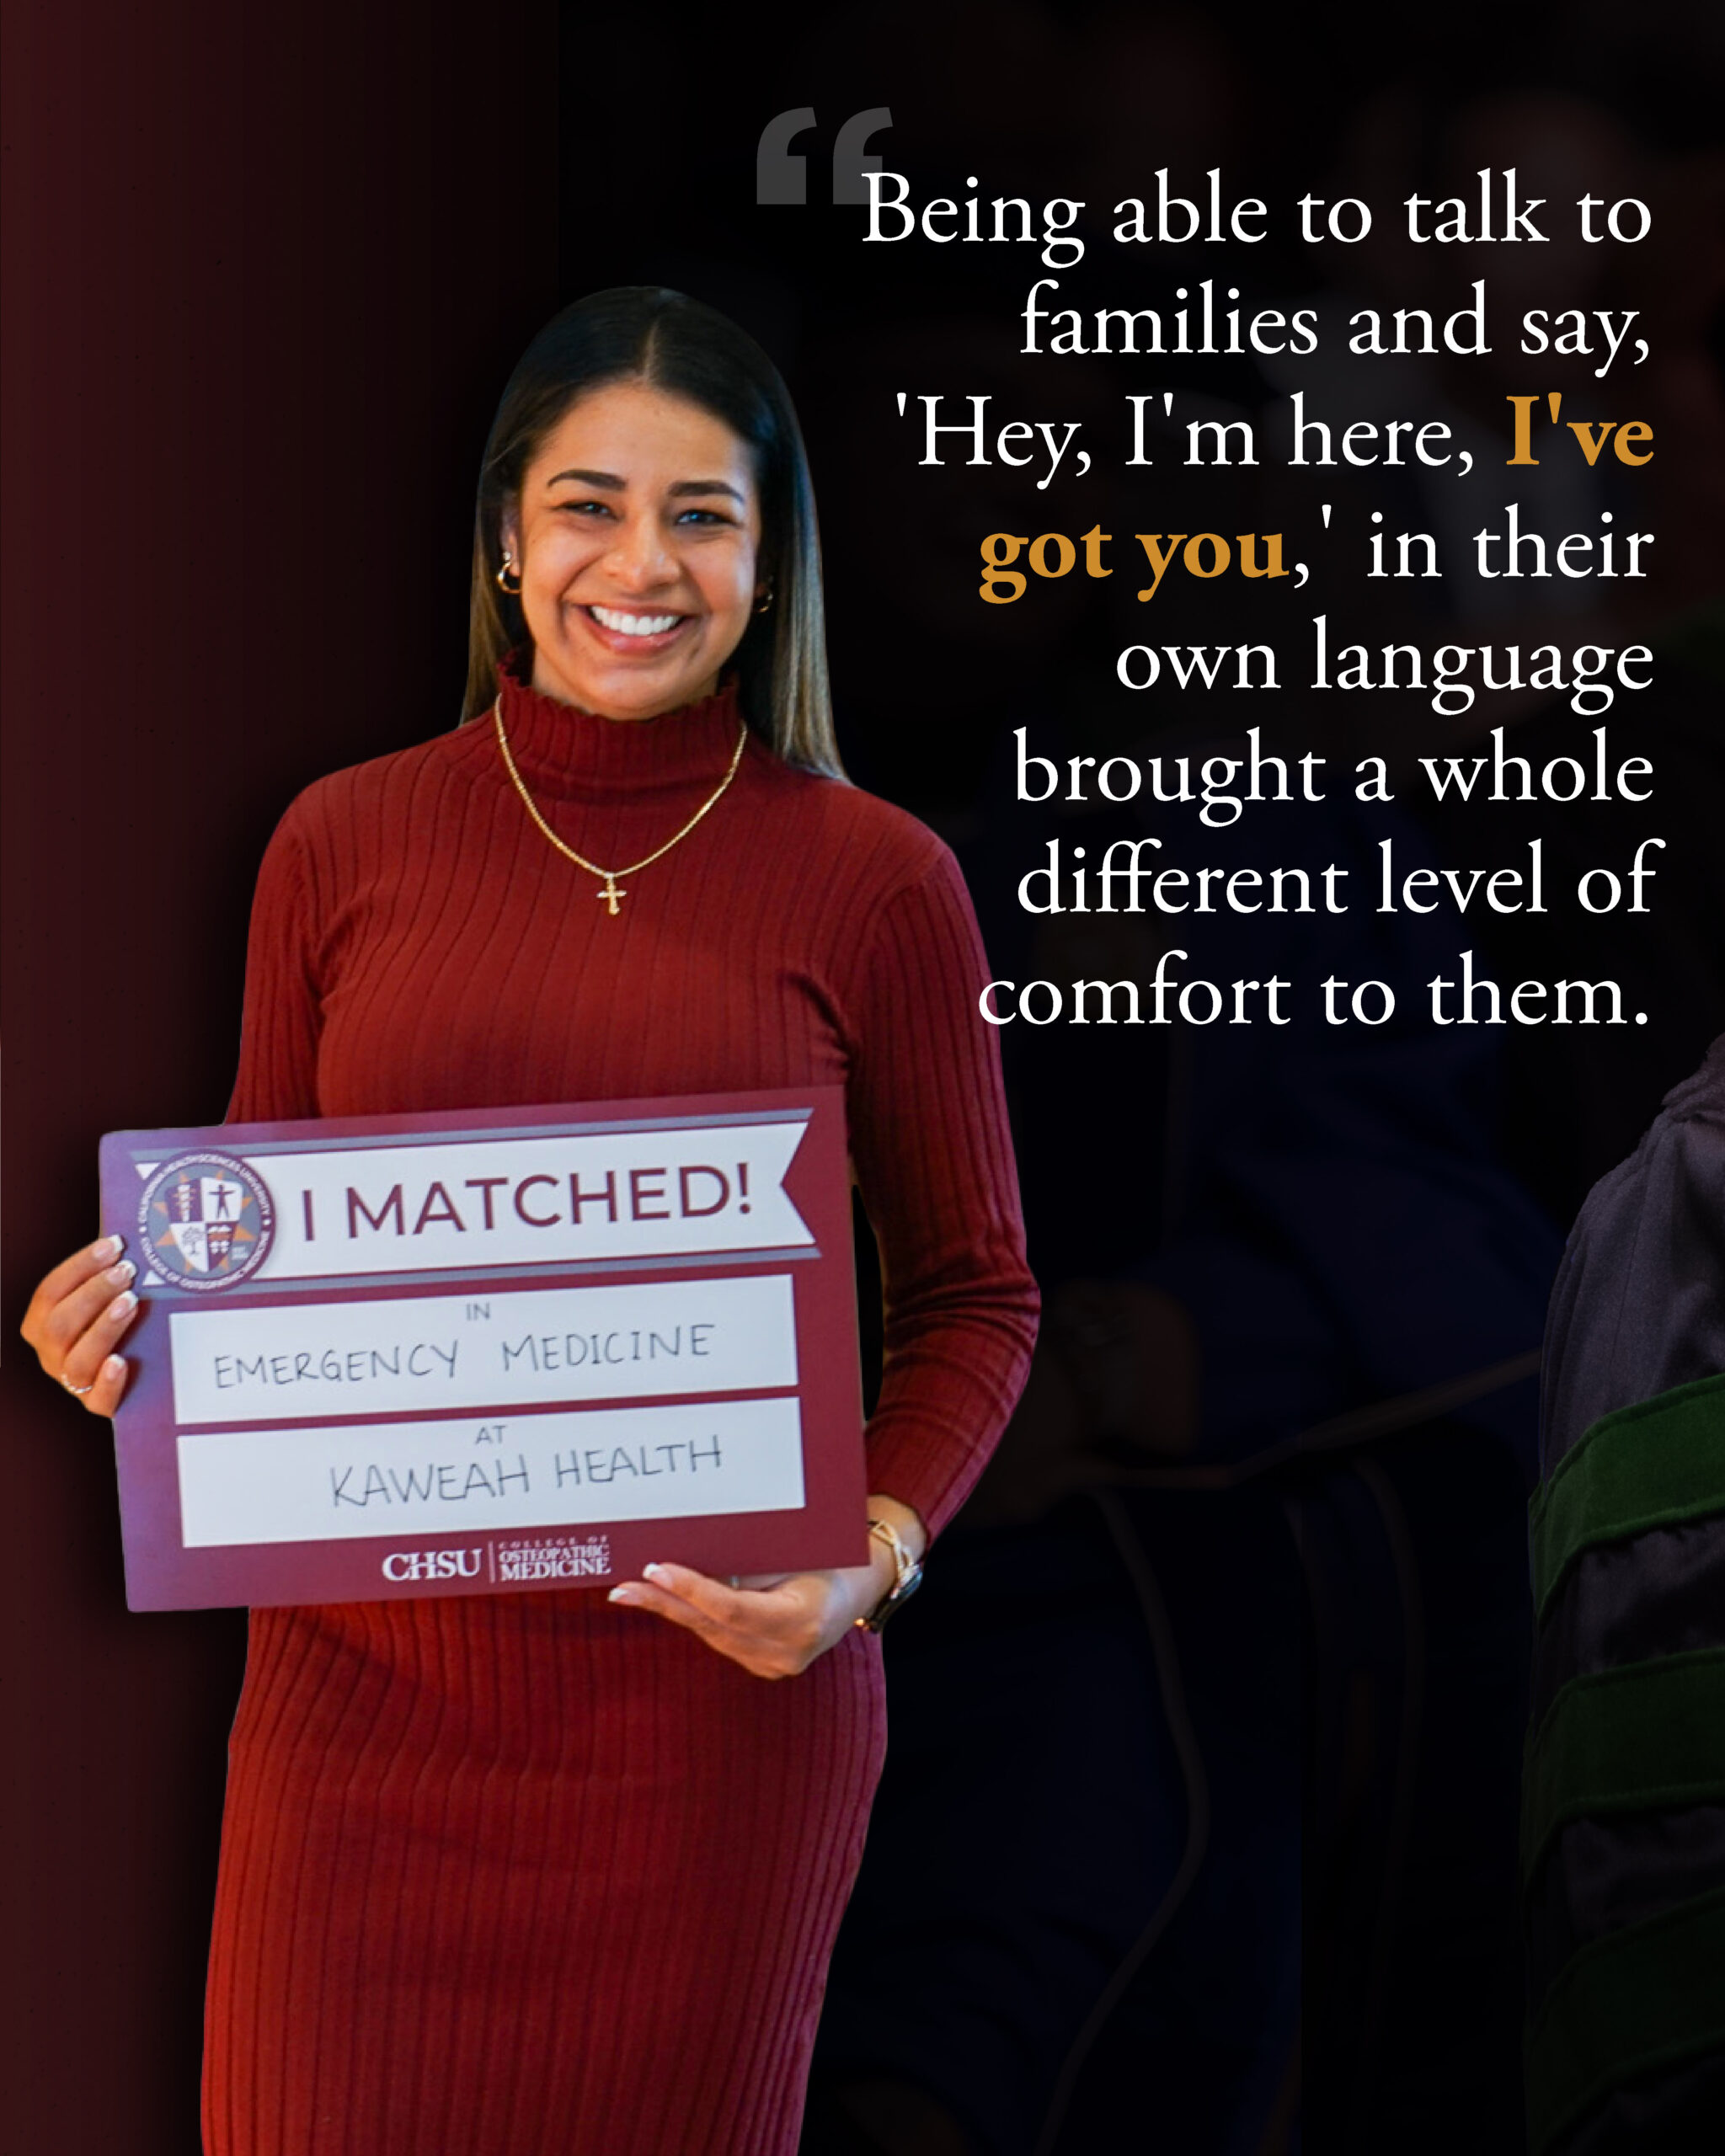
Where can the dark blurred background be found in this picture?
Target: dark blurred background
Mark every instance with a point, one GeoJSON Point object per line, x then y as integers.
{"type": "Point", "coordinates": [1198, 1832]}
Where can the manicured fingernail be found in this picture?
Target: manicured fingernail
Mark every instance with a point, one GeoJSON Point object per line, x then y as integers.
{"type": "Point", "coordinates": [109, 1246]}
{"type": "Point", "coordinates": [651, 1572]}
{"type": "Point", "coordinates": [619, 1594]}
{"type": "Point", "coordinates": [121, 1306]}
{"type": "Point", "coordinates": [114, 1368]}
{"type": "Point", "coordinates": [122, 1274]}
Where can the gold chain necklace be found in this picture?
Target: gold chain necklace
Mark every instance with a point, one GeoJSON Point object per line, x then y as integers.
{"type": "Point", "coordinates": [612, 891]}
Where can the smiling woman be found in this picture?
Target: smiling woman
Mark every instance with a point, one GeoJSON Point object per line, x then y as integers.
{"type": "Point", "coordinates": [637, 580]}
{"type": "Point", "coordinates": [682, 448]}
{"type": "Point", "coordinates": [540, 1874]}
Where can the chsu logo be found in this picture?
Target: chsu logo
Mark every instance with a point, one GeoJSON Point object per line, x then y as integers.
{"type": "Point", "coordinates": [431, 1565]}
{"type": "Point", "coordinates": [205, 1221]}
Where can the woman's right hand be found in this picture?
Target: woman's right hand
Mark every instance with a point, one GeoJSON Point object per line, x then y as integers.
{"type": "Point", "coordinates": [78, 1316]}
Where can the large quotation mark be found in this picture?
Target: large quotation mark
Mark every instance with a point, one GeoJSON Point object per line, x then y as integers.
{"type": "Point", "coordinates": [848, 162]}
{"type": "Point", "coordinates": [779, 176]}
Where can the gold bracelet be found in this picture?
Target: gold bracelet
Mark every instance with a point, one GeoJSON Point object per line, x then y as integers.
{"type": "Point", "coordinates": [907, 1575]}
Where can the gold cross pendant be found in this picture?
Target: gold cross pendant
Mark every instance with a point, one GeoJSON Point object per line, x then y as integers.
{"type": "Point", "coordinates": [612, 892]}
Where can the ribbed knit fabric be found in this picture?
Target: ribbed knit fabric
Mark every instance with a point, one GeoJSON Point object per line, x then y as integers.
{"type": "Point", "coordinates": [528, 1875]}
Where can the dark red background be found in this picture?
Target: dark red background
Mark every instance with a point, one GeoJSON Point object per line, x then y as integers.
{"type": "Point", "coordinates": [266, 271]}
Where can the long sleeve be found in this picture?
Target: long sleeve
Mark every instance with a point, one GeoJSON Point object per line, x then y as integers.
{"type": "Point", "coordinates": [934, 1159]}
{"type": "Point", "coordinates": [277, 1078]}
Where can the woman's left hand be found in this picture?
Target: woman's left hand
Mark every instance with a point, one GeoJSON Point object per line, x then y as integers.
{"type": "Point", "coordinates": [774, 1626]}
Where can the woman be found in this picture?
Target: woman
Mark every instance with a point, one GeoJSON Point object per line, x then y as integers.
{"type": "Point", "coordinates": [556, 1872]}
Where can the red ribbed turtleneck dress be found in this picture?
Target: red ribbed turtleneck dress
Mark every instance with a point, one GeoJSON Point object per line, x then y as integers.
{"type": "Point", "coordinates": [529, 1875]}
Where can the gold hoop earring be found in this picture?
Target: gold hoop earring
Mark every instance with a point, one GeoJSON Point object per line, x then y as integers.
{"type": "Point", "coordinates": [502, 579]}
{"type": "Point", "coordinates": [764, 605]}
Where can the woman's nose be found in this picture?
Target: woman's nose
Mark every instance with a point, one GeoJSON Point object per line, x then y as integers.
{"type": "Point", "coordinates": [641, 556]}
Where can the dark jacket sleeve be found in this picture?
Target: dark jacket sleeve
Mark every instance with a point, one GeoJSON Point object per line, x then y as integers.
{"type": "Point", "coordinates": [1639, 1305]}
{"type": "Point", "coordinates": [1624, 1788]}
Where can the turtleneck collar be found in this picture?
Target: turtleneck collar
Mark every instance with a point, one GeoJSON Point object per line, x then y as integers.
{"type": "Point", "coordinates": [568, 754]}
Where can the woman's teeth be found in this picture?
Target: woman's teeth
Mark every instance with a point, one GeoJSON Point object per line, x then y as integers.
{"type": "Point", "coordinates": [634, 625]}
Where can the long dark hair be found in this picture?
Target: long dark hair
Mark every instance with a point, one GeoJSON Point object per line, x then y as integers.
{"type": "Point", "coordinates": [645, 333]}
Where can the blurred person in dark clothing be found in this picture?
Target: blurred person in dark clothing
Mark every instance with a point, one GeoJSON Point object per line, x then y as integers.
{"type": "Point", "coordinates": [1624, 1800]}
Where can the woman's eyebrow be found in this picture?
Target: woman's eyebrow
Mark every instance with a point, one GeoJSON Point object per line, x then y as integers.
{"type": "Point", "coordinates": [612, 483]}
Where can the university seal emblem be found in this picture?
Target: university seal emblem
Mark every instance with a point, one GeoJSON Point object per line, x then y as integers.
{"type": "Point", "coordinates": [206, 1221]}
